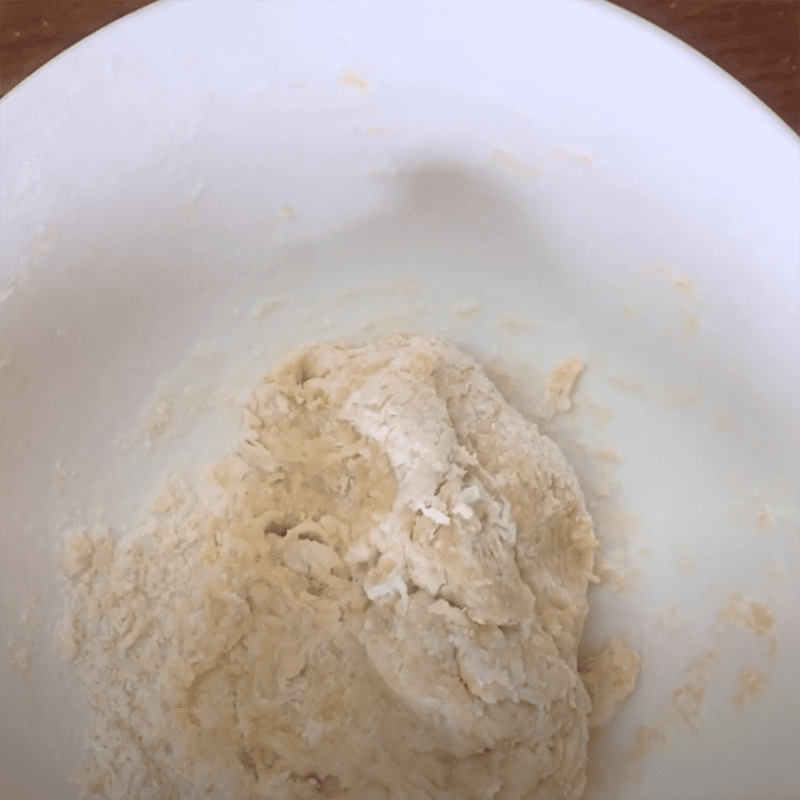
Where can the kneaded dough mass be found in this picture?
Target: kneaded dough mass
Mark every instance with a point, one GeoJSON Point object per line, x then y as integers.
{"type": "Point", "coordinates": [381, 597]}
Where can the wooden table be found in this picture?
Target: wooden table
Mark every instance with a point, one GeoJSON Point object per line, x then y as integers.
{"type": "Point", "coordinates": [758, 42]}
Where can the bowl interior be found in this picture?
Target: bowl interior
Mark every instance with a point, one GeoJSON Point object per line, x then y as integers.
{"type": "Point", "coordinates": [233, 181]}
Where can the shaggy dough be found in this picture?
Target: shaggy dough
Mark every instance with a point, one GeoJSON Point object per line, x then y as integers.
{"type": "Point", "coordinates": [609, 673]}
{"type": "Point", "coordinates": [380, 598]}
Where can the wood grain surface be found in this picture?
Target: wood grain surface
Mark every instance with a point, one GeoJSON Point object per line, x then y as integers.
{"type": "Point", "coordinates": [756, 41]}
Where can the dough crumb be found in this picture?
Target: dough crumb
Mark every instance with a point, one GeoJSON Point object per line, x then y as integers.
{"type": "Point", "coordinates": [605, 488]}
{"type": "Point", "coordinates": [574, 155]}
{"type": "Point", "coordinates": [20, 660]}
{"type": "Point", "coordinates": [409, 286]}
{"type": "Point", "coordinates": [467, 311]}
{"type": "Point", "coordinates": [512, 165]}
{"type": "Point", "coordinates": [513, 325]}
{"type": "Point", "coordinates": [10, 374]}
{"type": "Point", "coordinates": [688, 698]}
{"type": "Point", "coordinates": [609, 671]}
{"type": "Point", "coordinates": [773, 651]}
{"type": "Point", "coordinates": [691, 322]}
{"type": "Point", "coordinates": [265, 309]}
{"type": "Point", "coordinates": [754, 614]}
{"type": "Point", "coordinates": [670, 621]}
{"type": "Point", "coordinates": [617, 527]}
{"type": "Point", "coordinates": [62, 475]}
{"type": "Point", "coordinates": [560, 383]}
{"type": "Point", "coordinates": [23, 646]}
{"type": "Point", "coordinates": [159, 420]}
{"type": "Point", "coordinates": [627, 386]}
{"type": "Point", "coordinates": [777, 570]}
{"type": "Point", "coordinates": [601, 414]}
{"type": "Point", "coordinates": [615, 571]}
{"type": "Point", "coordinates": [684, 285]}
{"type": "Point", "coordinates": [686, 565]}
{"type": "Point", "coordinates": [379, 593]}
{"type": "Point", "coordinates": [645, 739]}
{"type": "Point", "coordinates": [610, 455]}
{"type": "Point", "coordinates": [750, 684]}
{"type": "Point", "coordinates": [764, 519]}
{"type": "Point", "coordinates": [351, 78]}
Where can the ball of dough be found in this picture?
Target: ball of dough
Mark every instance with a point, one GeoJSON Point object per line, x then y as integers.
{"type": "Point", "coordinates": [381, 599]}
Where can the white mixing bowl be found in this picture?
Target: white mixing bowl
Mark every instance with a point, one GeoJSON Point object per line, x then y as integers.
{"type": "Point", "coordinates": [531, 180]}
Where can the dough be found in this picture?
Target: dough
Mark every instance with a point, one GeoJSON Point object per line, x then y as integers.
{"type": "Point", "coordinates": [380, 596]}
{"type": "Point", "coordinates": [560, 383]}
{"type": "Point", "coordinates": [609, 672]}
